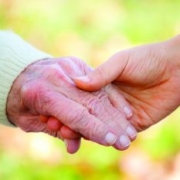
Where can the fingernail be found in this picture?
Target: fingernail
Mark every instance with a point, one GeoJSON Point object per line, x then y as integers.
{"type": "Point", "coordinates": [128, 111]}
{"type": "Point", "coordinates": [83, 78]}
{"type": "Point", "coordinates": [131, 132]}
{"type": "Point", "coordinates": [110, 138]}
{"type": "Point", "coordinates": [124, 140]}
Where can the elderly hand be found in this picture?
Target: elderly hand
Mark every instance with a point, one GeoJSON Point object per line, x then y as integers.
{"type": "Point", "coordinates": [147, 76]}
{"type": "Point", "coordinates": [47, 89]}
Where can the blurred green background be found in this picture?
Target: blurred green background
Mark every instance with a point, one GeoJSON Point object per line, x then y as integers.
{"type": "Point", "coordinates": [92, 30]}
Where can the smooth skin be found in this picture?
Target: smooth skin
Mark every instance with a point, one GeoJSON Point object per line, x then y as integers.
{"type": "Point", "coordinates": [147, 76]}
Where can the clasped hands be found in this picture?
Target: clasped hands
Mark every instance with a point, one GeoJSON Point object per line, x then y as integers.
{"type": "Point", "coordinates": [47, 89]}
{"type": "Point", "coordinates": [65, 98]}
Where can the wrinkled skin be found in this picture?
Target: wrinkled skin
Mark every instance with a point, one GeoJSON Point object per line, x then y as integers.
{"type": "Point", "coordinates": [148, 77]}
{"type": "Point", "coordinates": [45, 92]}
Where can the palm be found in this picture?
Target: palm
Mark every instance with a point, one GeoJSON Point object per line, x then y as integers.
{"type": "Point", "coordinates": [150, 87]}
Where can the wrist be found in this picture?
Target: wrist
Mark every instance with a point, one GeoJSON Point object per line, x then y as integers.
{"type": "Point", "coordinates": [15, 55]}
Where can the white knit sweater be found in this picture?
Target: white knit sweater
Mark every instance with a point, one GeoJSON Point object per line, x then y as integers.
{"type": "Point", "coordinates": [15, 55]}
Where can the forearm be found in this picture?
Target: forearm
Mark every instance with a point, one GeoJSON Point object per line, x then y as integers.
{"type": "Point", "coordinates": [15, 55]}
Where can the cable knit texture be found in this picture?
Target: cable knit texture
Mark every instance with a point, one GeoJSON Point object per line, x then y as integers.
{"type": "Point", "coordinates": [15, 55]}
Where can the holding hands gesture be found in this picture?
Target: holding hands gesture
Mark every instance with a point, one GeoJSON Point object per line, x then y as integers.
{"type": "Point", "coordinates": [133, 90]}
{"type": "Point", "coordinates": [147, 76]}
{"type": "Point", "coordinates": [47, 88]}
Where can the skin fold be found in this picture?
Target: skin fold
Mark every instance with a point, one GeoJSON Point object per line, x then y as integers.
{"type": "Point", "coordinates": [47, 100]}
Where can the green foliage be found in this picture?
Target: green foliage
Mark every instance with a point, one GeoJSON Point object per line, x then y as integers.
{"type": "Point", "coordinates": [92, 30]}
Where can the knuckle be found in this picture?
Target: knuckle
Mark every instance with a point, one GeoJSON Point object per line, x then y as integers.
{"type": "Point", "coordinates": [93, 105]}
{"type": "Point", "coordinates": [58, 74]}
{"type": "Point", "coordinates": [54, 71]}
{"type": "Point", "coordinates": [102, 95]}
{"type": "Point", "coordinates": [71, 67]}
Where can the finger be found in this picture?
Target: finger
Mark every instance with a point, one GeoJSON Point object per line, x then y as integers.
{"type": "Point", "coordinates": [77, 117]}
{"type": "Point", "coordinates": [118, 100]}
{"type": "Point", "coordinates": [72, 146]}
{"type": "Point", "coordinates": [53, 124]}
{"type": "Point", "coordinates": [114, 94]}
{"type": "Point", "coordinates": [104, 74]}
{"type": "Point", "coordinates": [43, 119]}
{"type": "Point", "coordinates": [100, 107]}
{"type": "Point", "coordinates": [67, 133]}
{"type": "Point", "coordinates": [121, 124]}
{"type": "Point", "coordinates": [71, 113]}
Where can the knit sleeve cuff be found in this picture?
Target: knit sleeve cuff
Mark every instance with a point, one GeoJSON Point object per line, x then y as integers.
{"type": "Point", "coordinates": [15, 55]}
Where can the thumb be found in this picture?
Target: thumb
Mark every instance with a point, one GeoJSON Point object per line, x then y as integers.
{"type": "Point", "coordinates": [104, 74]}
